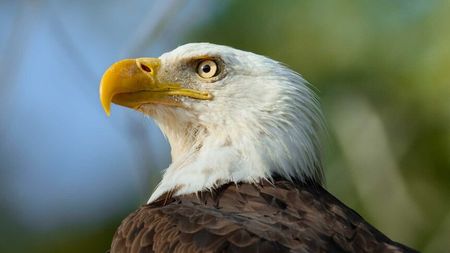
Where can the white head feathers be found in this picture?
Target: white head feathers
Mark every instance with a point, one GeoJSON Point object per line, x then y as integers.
{"type": "Point", "coordinates": [263, 121]}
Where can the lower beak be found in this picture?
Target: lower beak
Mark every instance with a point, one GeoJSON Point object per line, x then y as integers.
{"type": "Point", "coordinates": [134, 82]}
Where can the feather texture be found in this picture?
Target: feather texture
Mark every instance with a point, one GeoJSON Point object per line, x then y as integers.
{"type": "Point", "coordinates": [277, 216]}
{"type": "Point", "coordinates": [263, 119]}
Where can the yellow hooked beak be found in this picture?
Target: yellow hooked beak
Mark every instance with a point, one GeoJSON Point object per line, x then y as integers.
{"type": "Point", "coordinates": [134, 82]}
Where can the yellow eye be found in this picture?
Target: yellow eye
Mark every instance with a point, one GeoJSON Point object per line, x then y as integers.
{"type": "Point", "coordinates": [207, 69]}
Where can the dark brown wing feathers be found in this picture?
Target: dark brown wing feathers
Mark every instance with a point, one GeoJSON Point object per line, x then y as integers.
{"type": "Point", "coordinates": [271, 217]}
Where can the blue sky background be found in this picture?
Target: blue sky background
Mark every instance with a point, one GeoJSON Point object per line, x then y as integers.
{"type": "Point", "coordinates": [62, 160]}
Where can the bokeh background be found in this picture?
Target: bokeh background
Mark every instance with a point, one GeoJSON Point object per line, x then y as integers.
{"type": "Point", "coordinates": [69, 174]}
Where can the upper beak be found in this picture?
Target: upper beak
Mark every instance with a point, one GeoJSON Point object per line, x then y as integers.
{"type": "Point", "coordinates": [133, 82]}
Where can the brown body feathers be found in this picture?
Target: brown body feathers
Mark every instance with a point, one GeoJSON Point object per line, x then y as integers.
{"type": "Point", "coordinates": [270, 217]}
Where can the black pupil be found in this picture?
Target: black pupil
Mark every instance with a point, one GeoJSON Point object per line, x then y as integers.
{"type": "Point", "coordinates": [206, 68]}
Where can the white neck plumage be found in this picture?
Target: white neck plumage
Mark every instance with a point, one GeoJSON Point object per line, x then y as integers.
{"type": "Point", "coordinates": [205, 156]}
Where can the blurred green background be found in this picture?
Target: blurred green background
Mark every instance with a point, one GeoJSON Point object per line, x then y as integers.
{"type": "Point", "coordinates": [69, 175]}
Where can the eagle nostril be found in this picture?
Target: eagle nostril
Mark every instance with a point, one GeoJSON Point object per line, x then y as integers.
{"type": "Point", "coordinates": [146, 68]}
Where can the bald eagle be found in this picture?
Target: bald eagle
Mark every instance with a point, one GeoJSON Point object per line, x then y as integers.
{"type": "Point", "coordinates": [246, 172]}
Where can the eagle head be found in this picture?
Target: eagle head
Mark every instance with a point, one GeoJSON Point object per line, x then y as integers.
{"type": "Point", "coordinates": [229, 115]}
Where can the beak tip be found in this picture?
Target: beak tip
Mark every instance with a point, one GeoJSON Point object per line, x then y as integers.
{"type": "Point", "coordinates": [106, 107]}
{"type": "Point", "coordinates": [105, 101]}
{"type": "Point", "coordinates": [107, 110]}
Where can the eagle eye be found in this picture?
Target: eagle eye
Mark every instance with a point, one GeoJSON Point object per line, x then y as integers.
{"type": "Point", "coordinates": [207, 69]}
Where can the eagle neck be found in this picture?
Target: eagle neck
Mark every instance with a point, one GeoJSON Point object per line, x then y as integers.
{"type": "Point", "coordinates": [204, 158]}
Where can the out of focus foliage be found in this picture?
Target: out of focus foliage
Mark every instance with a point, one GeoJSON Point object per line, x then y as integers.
{"type": "Point", "coordinates": [382, 69]}
{"type": "Point", "coordinates": [382, 72]}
